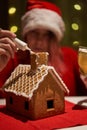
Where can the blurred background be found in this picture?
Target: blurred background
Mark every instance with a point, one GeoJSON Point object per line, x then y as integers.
{"type": "Point", "coordinates": [74, 13]}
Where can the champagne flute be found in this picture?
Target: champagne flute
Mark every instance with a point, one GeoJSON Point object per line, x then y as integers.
{"type": "Point", "coordinates": [82, 60]}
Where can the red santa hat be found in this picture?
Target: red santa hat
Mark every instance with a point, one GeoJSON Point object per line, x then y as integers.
{"type": "Point", "coordinates": [43, 14]}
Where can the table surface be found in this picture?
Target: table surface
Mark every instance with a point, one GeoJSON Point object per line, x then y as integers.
{"type": "Point", "coordinates": [72, 99]}
{"type": "Point", "coordinates": [76, 100]}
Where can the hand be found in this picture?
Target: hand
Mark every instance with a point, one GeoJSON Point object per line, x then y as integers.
{"type": "Point", "coordinates": [7, 47]}
{"type": "Point", "coordinates": [84, 79]}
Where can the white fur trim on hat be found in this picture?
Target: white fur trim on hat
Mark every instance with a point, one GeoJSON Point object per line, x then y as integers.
{"type": "Point", "coordinates": [43, 18]}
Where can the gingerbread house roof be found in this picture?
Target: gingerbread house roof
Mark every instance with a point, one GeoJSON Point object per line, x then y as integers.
{"type": "Point", "coordinates": [23, 81]}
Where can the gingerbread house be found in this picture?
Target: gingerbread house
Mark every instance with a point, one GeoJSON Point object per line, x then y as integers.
{"type": "Point", "coordinates": [35, 91]}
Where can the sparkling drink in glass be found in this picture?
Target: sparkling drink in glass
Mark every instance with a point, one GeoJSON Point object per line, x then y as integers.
{"type": "Point", "coordinates": [82, 60]}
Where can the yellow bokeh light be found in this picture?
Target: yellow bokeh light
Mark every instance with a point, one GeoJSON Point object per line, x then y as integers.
{"type": "Point", "coordinates": [75, 26]}
{"type": "Point", "coordinates": [77, 7]}
{"type": "Point", "coordinates": [12, 10]}
{"type": "Point", "coordinates": [14, 29]}
{"type": "Point", "coordinates": [76, 43]}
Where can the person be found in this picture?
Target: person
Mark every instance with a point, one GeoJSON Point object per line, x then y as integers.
{"type": "Point", "coordinates": [42, 29]}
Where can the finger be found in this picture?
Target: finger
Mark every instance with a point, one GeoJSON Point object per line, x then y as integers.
{"type": "Point", "coordinates": [6, 49]}
{"type": "Point", "coordinates": [6, 33]}
{"type": "Point", "coordinates": [8, 41]}
{"type": "Point", "coordinates": [4, 53]}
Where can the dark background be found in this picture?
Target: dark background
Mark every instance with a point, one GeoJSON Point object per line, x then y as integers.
{"type": "Point", "coordinates": [69, 14]}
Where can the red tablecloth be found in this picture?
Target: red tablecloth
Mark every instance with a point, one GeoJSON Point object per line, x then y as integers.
{"type": "Point", "coordinates": [74, 116]}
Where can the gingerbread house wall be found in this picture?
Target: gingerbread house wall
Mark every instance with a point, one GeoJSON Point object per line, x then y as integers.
{"type": "Point", "coordinates": [20, 105]}
{"type": "Point", "coordinates": [47, 100]}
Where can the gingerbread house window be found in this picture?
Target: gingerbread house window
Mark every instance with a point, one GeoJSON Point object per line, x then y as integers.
{"type": "Point", "coordinates": [11, 100]}
{"type": "Point", "coordinates": [26, 105]}
{"type": "Point", "coordinates": [50, 104]}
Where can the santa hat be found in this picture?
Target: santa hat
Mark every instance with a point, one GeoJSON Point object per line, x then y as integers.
{"type": "Point", "coordinates": [42, 14]}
